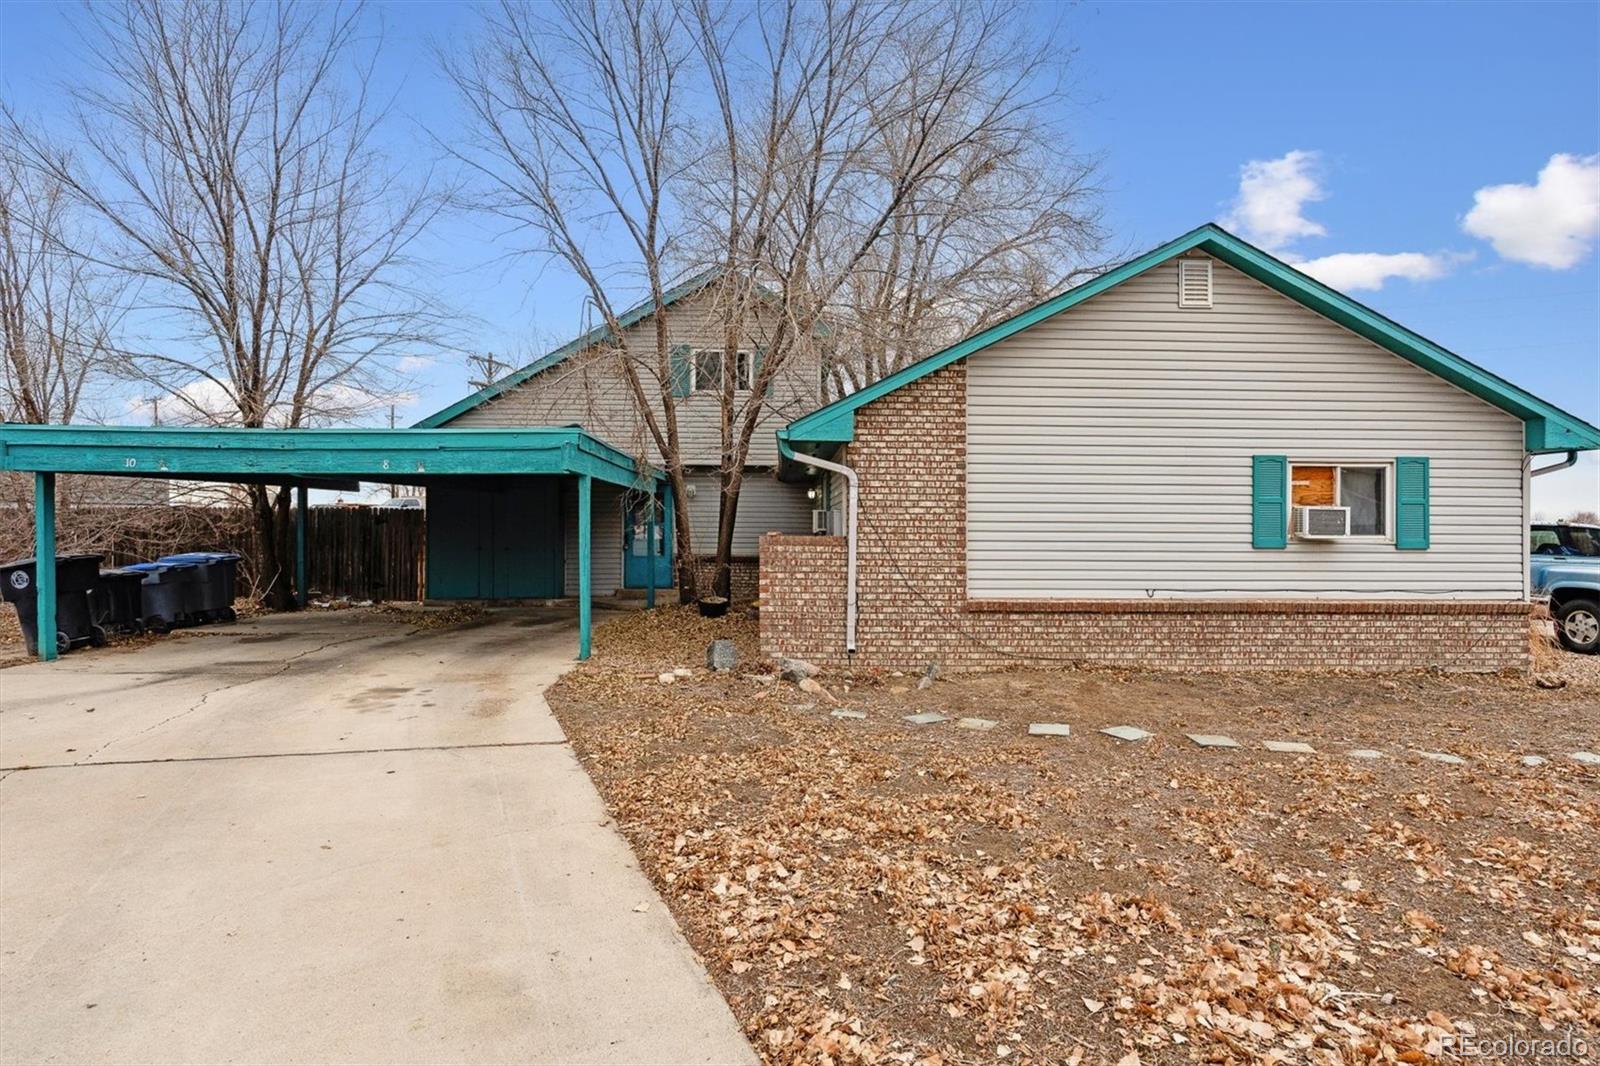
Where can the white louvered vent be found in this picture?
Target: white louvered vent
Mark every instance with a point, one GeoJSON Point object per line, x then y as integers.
{"type": "Point", "coordinates": [1194, 283]}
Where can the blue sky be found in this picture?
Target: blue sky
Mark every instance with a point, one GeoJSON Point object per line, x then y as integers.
{"type": "Point", "coordinates": [1373, 129]}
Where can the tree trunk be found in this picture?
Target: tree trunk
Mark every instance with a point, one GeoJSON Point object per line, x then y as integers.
{"type": "Point", "coordinates": [273, 554]}
{"type": "Point", "coordinates": [682, 538]}
{"type": "Point", "coordinates": [732, 481]}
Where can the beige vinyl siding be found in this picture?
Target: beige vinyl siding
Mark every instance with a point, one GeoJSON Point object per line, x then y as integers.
{"type": "Point", "coordinates": [591, 390]}
{"type": "Point", "coordinates": [605, 543]}
{"type": "Point", "coordinates": [1108, 453]}
{"type": "Point", "coordinates": [766, 505]}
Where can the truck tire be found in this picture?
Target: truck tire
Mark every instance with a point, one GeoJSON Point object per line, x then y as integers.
{"type": "Point", "coordinates": [1578, 626]}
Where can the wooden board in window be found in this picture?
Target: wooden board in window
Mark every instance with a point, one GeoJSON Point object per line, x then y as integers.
{"type": "Point", "coordinates": [1313, 486]}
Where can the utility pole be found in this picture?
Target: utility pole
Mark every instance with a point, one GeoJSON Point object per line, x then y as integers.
{"type": "Point", "coordinates": [490, 367]}
{"type": "Point", "coordinates": [155, 409]}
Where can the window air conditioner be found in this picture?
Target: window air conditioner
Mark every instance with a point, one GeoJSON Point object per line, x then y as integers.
{"type": "Point", "coordinates": [827, 522]}
{"type": "Point", "coordinates": [1322, 523]}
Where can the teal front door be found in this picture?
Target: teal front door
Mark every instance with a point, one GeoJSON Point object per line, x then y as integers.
{"type": "Point", "coordinates": [639, 556]}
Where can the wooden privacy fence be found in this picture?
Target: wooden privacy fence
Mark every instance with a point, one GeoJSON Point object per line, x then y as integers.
{"type": "Point", "coordinates": [367, 553]}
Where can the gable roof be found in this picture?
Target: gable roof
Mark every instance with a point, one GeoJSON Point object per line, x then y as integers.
{"type": "Point", "coordinates": [1547, 428]}
{"type": "Point", "coordinates": [599, 335]}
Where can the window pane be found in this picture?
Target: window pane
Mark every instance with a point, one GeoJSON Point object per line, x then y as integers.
{"type": "Point", "coordinates": [742, 378]}
{"type": "Point", "coordinates": [1545, 542]}
{"type": "Point", "coordinates": [1584, 542]}
{"type": "Point", "coordinates": [707, 369]}
{"type": "Point", "coordinates": [1361, 490]}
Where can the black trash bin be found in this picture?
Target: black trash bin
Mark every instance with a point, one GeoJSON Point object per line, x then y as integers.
{"type": "Point", "coordinates": [117, 603]}
{"type": "Point", "coordinates": [75, 576]}
{"type": "Point", "coordinates": [217, 577]}
{"type": "Point", "coordinates": [168, 594]}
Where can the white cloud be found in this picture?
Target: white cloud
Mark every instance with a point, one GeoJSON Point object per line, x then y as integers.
{"type": "Point", "coordinates": [1272, 196]}
{"type": "Point", "coordinates": [412, 364]}
{"type": "Point", "coordinates": [1552, 223]}
{"type": "Point", "coordinates": [1350, 271]}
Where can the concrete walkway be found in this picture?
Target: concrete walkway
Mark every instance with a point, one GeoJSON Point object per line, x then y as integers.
{"type": "Point", "coordinates": [325, 838]}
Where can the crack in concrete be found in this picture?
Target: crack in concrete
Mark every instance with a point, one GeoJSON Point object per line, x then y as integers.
{"type": "Point", "coordinates": [9, 770]}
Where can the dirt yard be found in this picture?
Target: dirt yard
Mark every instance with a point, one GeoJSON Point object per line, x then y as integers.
{"type": "Point", "coordinates": [868, 890]}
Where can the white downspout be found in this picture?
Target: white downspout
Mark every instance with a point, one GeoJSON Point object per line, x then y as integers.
{"type": "Point", "coordinates": [850, 536]}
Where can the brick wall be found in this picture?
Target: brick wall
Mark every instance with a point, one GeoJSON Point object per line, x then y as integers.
{"type": "Point", "coordinates": [910, 454]}
{"type": "Point", "coordinates": [743, 576]}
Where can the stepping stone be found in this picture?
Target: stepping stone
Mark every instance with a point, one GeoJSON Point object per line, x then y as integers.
{"type": "Point", "coordinates": [1049, 729]}
{"type": "Point", "coordinates": [1289, 747]}
{"type": "Point", "coordinates": [1588, 758]}
{"type": "Point", "coordinates": [1212, 740]}
{"type": "Point", "coordinates": [1365, 753]}
{"type": "Point", "coordinates": [1127, 732]}
{"type": "Point", "coordinates": [1444, 757]}
{"type": "Point", "coordinates": [844, 713]}
{"type": "Point", "coordinates": [1533, 760]}
{"type": "Point", "coordinates": [926, 718]}
{"type": "Point", "coordinates": [976, 723]}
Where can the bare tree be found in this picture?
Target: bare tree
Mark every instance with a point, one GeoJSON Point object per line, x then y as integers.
{"type": "Point", "coordinates": [864, 177]}
{"type": "Point", "coordinates": [56, 310]}
{"type": "Point", "coordinates": [230, 153]}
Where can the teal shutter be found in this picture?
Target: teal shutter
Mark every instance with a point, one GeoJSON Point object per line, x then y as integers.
{"type": "Point", "coordinates": [1269, 501]}
{"type": "Point", "coordinates": [1411, 503]}
{"type": "Point", "coordinates": [680, 370]}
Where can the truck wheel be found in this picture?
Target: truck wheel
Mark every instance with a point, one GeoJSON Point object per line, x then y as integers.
{"type": "Point", "coordinates": [1578, 626]}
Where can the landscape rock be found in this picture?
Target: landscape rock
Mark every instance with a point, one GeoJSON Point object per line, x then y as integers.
{"type": "Point", "coordinates": [1365, 753]}
{"type": "Point", "coordinates": [845, 712]}
{"type": "Point", "coordinates": [666, 677]}
{"type": "Point", "coordinates": [1127, 732]}
{"type": "Point", "coordinates": [721, 655]}
{"type": "Point", "coordinates": [1588, 758]}
{"type": "Point", "coordinates": [982, 724]}
{"type": "Point", "coordinates": [1533, 760]}
{"type": "Point", "coordinates": [1443, 756]}
{"type": "Point", "coordinates": [926, 718]}
{"type": "Point", "coordinates": [1289, 747]}
{"type": "Point", "coordinates": [1049, 729]}
{"type": "Point", "coordinates": [1212, 740]}
{"type": "Point", "coordinates": [683, 671]}
{"type": "Point", "coordinates": [811, 686]}
{"type": "Point", "coordinates": [796, 669]}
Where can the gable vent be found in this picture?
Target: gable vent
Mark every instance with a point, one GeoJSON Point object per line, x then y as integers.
{"type": "Point", "coordinates": [1194, 283]}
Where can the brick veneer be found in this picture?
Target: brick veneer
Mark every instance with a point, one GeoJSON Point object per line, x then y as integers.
{"type": "Point", "coordinates": [910, 455]}
{"type": "Point", "coordinates": [743, 576]}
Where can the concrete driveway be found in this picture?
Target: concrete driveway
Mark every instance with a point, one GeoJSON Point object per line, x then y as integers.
{"type": "Point", "coordinates": [326, 838]}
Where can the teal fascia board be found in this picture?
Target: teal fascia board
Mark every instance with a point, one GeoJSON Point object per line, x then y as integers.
{"type": "Point", "coordinates": [599, 335]}
{"type": "Point", "coordinates": [1548, 428]}
{"type": "Point", "coordinates": [290, 455]}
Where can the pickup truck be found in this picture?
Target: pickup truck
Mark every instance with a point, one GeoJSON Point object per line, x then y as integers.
{"type": "Point", "coordinates": [1565, 564]}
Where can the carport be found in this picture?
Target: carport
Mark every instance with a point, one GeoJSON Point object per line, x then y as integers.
{"type": "Point", "coordinates": [329, 458]}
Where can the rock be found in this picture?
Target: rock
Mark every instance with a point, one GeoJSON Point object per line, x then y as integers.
{"type": "Point", "coordinates": [1443, 756]}
{"type": "Point", "coordinates": [1289, 747]}
{"type": "Point", "coordinates": [667, 677]}
{"type": "Point", "coordinates": [926, 718]}
{"type": "Point", "coordinates": [721, 655]}
{"type": "Point", "coordinates": [803, 707]}
{"type": "Point", "coordinates": [898, 690]}
{"type": "Point", "coordinates": [924, 682]}
{"type": "Point", "coordinates": [796, 669]}
{"type": "Point", "coordinates": [813, 687]}
{"type": "Point", "coordinates": [1127, 732]}
{"type": "Point", "coordinates": [982, 724]}
{"type": "Point", "coordinates": [1533, 760]}
{"type": "Point", "coordinates": [1049, 729]}
{"type": "Point", "coordinates": [682, 671]}
{"type": "Point", "coordinates": [847, 713]}
{"type": "Point", "coordinates": [1365, 753]}
{"type": "Point", "coordinates": [1588, 758]}
{"type": "Point", "coordinates": [932, 672]}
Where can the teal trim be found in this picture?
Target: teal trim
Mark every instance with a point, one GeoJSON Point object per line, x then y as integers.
{"type": "Point", "coordinates": [1411, 506]}
{"type": "Point", "coordinates": [1547, 428]}
{"type": "Point", "coordinates": [682, 381]}
{"type": "Point", "coordinates": [585, 550]}
{"type": "Point", "coordinates": [599, 335]}
{"type": "Point", "coordinates": [302, 545]}
{"type": "Point", "coordinates": [408, 455]}
{"type": "Point", "coordinates": [1269, 501]}
{"type": "Point", "coordinates": [44, 564]}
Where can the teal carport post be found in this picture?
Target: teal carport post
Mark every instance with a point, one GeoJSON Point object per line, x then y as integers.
{"type": "Point", "coordinates": [44, 562]}
{"type": "Point", "coordinates": [301, 560]}
{"type": "Point", "coordinates": [585, 536]}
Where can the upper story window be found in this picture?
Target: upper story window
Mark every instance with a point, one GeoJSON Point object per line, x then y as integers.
{"type": "Point", "coordinates": [708, 367]}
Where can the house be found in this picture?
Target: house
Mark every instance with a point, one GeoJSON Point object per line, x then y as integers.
{"type": "Point", "coordinates": [1203, 459]}
{"type": "Point", "coordinates": [582, 383]}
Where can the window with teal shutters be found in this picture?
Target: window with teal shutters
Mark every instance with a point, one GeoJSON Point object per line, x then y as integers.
{"type": "Point", "coordinates": [1269, 501]}
{"type": "Point", "coordinates": [1411, 503]}
{"type": "Point", "coordinates": [756, 359]}
{"type": "Point", "coordinates": [681, 382]}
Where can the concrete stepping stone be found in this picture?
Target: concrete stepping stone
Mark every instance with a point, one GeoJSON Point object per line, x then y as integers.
{"type": "Point", "coordinates": [1127, 732]}
{"type": "Point", "coordinates": [1289, 747]}
{"type": "Point", "coordinates": [1364, 753]}
{"type": "Point", "coordinates": [926, 718]}
{"type": "Point", "coordinates": [1049, 729]}
{"type": "Point", "coordinates": [976, 723]}
{"type": "Point", "coordinates": [1444, 757]}
{"type": "Point", "coordinates": [1212, 740]}
{"type": "Point", "coordinates": [847, 713]}
{"type": "Point", "coordinates": [1588, 758]}
{"type": "Point", "coordinates": [1533, 760]}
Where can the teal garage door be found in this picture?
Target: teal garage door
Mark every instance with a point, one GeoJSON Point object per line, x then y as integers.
{"type": "Point", "coordinates": [494, 539]}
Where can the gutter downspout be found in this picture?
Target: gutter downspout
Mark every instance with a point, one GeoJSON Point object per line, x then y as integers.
{"type": "Point", "coordinates": [1535, 471]}
{"type": "Point", "coordinates": [850, 534]}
